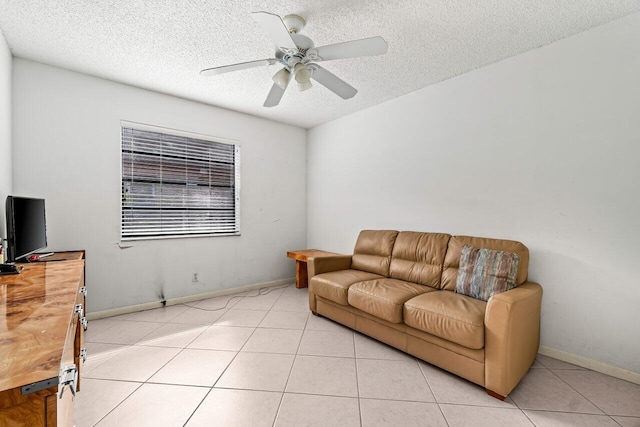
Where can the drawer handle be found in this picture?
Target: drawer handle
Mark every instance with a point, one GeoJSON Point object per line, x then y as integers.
{"type": "Point", "coordinates": [78, 309]}
{"type": "Point", "coordinates": [84, 322]}
{"type": "Point", "coordinates": [83, 290]}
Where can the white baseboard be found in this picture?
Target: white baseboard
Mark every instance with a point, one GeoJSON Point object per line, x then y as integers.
{"type": "Point", "coordinates": [594, 365]}
{"type": "Point", "coordinates": [182, 300]}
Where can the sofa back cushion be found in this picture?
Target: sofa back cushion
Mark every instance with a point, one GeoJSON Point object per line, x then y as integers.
{"type": "Point", "coordinates": [419, 257]}
{"type": "Point", "coordinates": [452, 259]}
{"type": "Point", "coordinates": [373, 251]}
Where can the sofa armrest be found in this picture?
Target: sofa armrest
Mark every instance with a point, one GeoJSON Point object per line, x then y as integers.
{"type": "Point", "coordinates": [512, 336]}
{"type": "Point", "coordinates": [326, 264]}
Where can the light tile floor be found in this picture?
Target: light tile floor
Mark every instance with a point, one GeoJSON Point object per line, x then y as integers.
{"type": "Point", "coordinates": [264, 360]}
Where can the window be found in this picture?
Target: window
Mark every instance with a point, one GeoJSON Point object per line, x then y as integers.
{"type": "Point", "coordinates": [176, 184]}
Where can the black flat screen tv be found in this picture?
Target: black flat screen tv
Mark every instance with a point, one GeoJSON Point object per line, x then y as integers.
{"type": "Point", "coordinates": [26, 227]}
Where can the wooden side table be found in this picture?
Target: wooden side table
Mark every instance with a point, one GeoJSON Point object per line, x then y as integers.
{"type": "Point", "coordinates": [301, 257]}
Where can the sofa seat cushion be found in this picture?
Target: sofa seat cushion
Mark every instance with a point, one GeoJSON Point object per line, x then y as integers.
{"type": "Point", "coordinates": [384, 298]}
{"type": "Point", "coordinates": [454, 317]}
{"type": "Point", "coordinates": [334, 285]}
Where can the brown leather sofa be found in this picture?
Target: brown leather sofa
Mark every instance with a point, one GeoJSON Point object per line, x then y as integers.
{"type": "Point", "coordinates": [398, 287]}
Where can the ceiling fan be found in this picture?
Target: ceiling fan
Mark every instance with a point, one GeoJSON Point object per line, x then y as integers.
{"type": "Point", "coordinates": [298, 56]}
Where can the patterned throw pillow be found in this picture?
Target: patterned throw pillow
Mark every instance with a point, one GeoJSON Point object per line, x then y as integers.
{"type": "Point", "coordinates": [484, 272]}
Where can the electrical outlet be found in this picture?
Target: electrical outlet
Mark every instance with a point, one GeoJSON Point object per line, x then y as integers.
{"type": "Point", "coordinates": [194, 278]}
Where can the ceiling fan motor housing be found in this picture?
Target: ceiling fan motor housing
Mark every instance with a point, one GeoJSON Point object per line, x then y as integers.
{"type": "Point", "coordinates": [294, 23]}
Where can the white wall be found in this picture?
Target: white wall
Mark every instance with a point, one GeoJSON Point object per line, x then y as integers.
{"type": "Point", "coordinates": [5, 128]}
{"type": "Point", "coordinates": [542, 148]}
{"type": "Point", "coordinates": [67, 150]}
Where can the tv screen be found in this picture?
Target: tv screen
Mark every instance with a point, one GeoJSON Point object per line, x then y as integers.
{"type": "Point", "coordinates": [26, 227]}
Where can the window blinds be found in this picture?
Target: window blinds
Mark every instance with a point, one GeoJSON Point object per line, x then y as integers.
{"type": "Point", "coordinates": [178, 186]}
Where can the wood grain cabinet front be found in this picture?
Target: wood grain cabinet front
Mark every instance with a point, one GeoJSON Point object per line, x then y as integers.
{"type": "Point", "coordinates": [42, 324]}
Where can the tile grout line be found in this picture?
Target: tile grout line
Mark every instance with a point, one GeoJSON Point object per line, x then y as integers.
{"type": "Point", "coordinates": [295, 356]}
{"type": "Point", "coordinates": [120, 403]}
{"type": "Point", "coordinates": [107, 328]}
{"type": "Point", "coordinates": [166, 363]}
{"type": "Point", "coordinates": [239, 351]}
{"type": "Point", "coordinates": [552, 371]}
{"type": "Point", "coordinates": [572, 388]}
{"type": "Point", "coordinates": [576, 413]}
{"type": "Point", "coordinates": [527, 416]}
{"type": "Point", "coordinates": [151, 376]}
{"type": "Point", "coordinates": [217, 379]}
{"type": "Point", "coordinates": [197, 406]}
{"type": "Point", "coordinates": [225, 370]}
{"type": "Point", "coordinates": [131, 347]}
{"type": "Point", "coordinates": [435, 398]}
{"type": "Point", "coordinates": [513, 400]}
{"type": "Point", "coordinates": [190, 342]}
{"type": "Point", "coordinates": [107, 359]}
{"type": "Point", "coordinates": [523, 410]}
{"type": "Point", "coordinates": [121, 321]}
{"type": "Point", "coordinates": [529, 409]}
{"type": "Point", "coordinates": [614, 420]}
{"type": "Point", "coordinates": [355, 363]}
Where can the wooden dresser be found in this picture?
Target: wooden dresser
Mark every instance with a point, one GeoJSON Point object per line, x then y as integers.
{"type": "Point", "coordinates": [42, 323]}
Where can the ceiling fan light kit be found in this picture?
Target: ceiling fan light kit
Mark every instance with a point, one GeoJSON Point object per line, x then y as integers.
{"type": "Point", "coordinates": [302, 73]}
{"type": "Point", "coordinates": [302, 86]}
{"type": "Point", "coordinates": [298, 56]}
{"type": "Point", "coordinates": [281, 78]}
{"type": "Point", "coordinates": [302, 76]}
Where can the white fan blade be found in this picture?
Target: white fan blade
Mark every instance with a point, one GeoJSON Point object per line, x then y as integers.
{"type": "Point", "coordinates": [353, 49]}
{"type": "Point", "coordinates": [274, 97]}
{"type": "Point", "coordinates": [332, 82]}
{"type": "Point", "coordinates": [236, 67]}
{"type": "Point", "coordinates": [275, 28]}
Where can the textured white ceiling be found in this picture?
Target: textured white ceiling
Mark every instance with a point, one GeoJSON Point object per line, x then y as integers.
{"type": "Point", "coordinates": [163, 44]}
